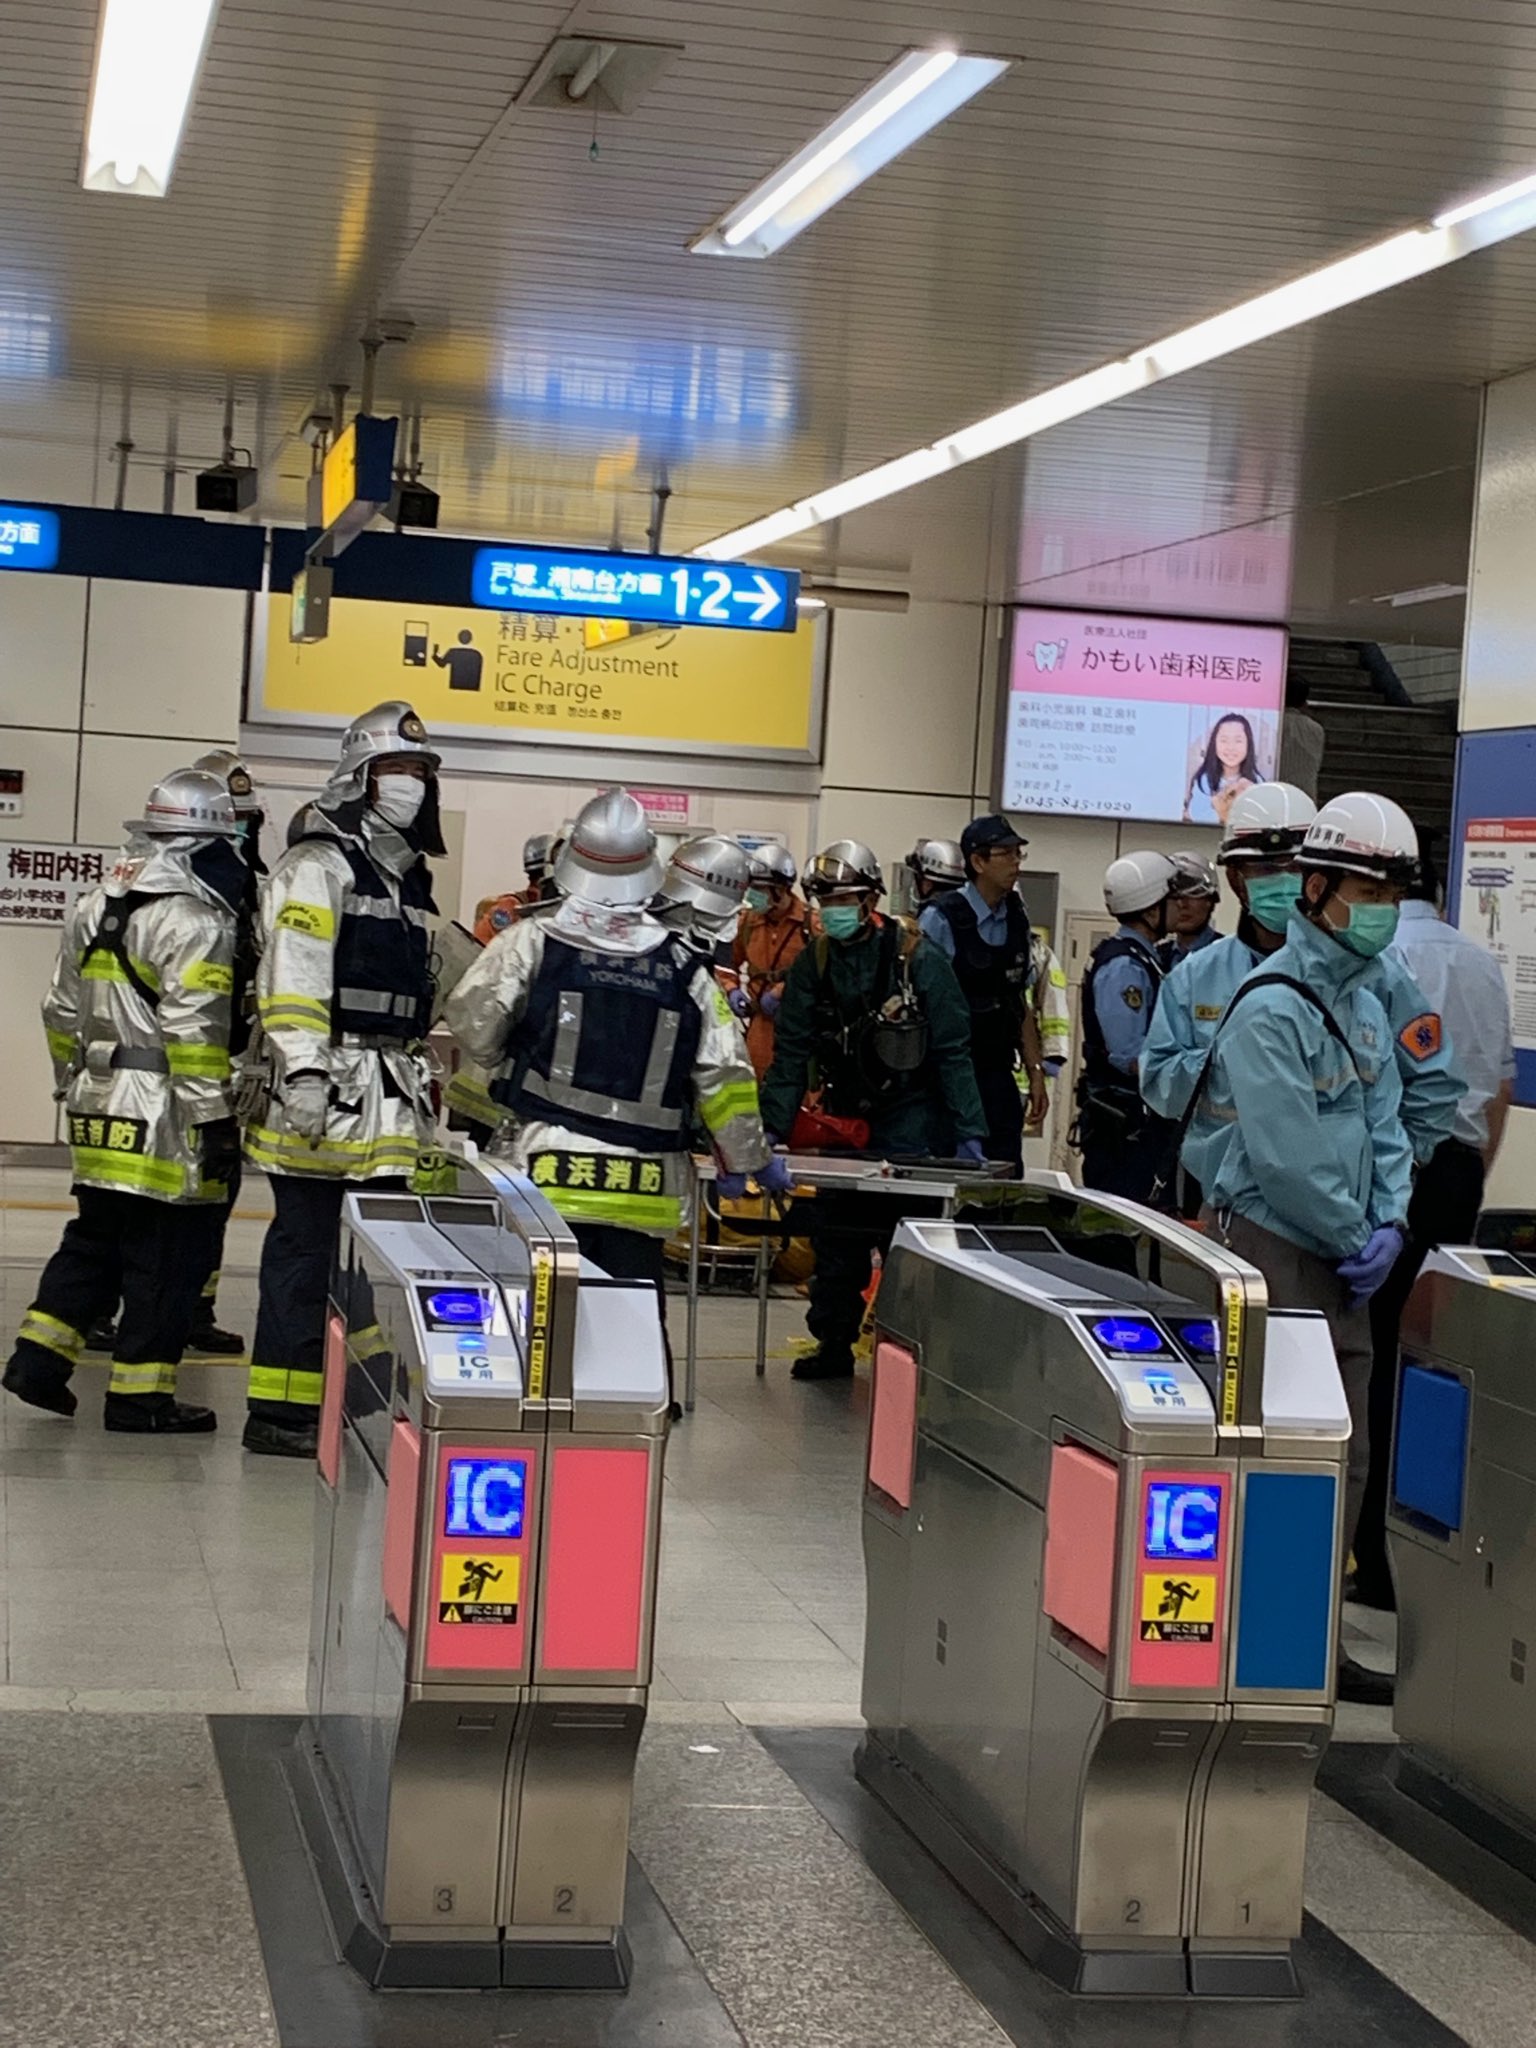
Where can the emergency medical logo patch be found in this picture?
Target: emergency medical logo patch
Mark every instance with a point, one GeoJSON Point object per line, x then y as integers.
{"type": "Point", "coordinates": [1422, 1038]}
{"type": "Point", "coordinates": [1134, 999]}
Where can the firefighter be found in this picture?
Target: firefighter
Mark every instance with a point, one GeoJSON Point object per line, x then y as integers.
{"type": "Point", "coordinates": [876, 1010]}
{"type": "Point", "coordinates": [344, 999]}
{"type": "Point", "coordinates": [984, 931]}
{"type": "Point", "coordinates": [1191, 908]}
{"type": "Point", "coordinates": [606, 1034]}
{"type": "Point", "coordinates": [769, 940]}
{"type": "Point", "coordinates": [138, 1023]}
{"type": "Point", "coordinates": [701, 896]}
{"type": "Point", "coordinates": [937, 868]}
{"type": "Point", "coordinates": [1123, 1144]}
{"type": "Point", "coordinates": [495, 913]}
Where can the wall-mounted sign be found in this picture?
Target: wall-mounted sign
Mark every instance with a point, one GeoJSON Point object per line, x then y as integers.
{"type": "Point", "coordinates": [666, 810]}
{"type": "Point", "coordinates": [13, 782]}
{"type": "Point", "coordinates": [1113, 715]}
{"type": "Point", "coordinates": [356, 479]}
{"type": "Point", "coordinates": [654, 589]}
{"type": "Point", "coordinates": [29, 537]}
{"type": "Point", "coordinates": [530, 677]}
{"type": "Point", "coordinates": [39, 883]}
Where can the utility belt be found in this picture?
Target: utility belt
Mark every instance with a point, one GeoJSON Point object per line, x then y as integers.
{"type": "Point", "coordinates": [1107, 1114]}
{"type": "Point", "coordinates": [102, 1059]}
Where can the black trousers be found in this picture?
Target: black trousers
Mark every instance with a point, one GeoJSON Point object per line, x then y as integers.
{"type": "Point", "coordinates": [630, 1255]}
{"type": "Point", "coordinates": [127, 1248]}
{"type": "Point", "coordinates": [844, 1241]}
{"type": "Point", "coordinates": [208, 1257]}
{"type": "Point", "coordinates": [288, 1350]}
{"type": "Point", "coordinates": [1128, 1166]}
{"type": "Point", "coordinates": [1003, 1107]}
{"type": "Point", "coordinates": [1447, 1194]}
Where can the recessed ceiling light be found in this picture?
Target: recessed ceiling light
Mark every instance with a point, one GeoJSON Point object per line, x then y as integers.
{"type": "Point", "coordinates": [917, 92]}
{"type": "Point", "coordinates": [1416, 252]}
{"type": "Point", "coordinates": [148, 55]}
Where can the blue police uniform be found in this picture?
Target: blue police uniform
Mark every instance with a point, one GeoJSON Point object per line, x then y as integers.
{"type": "Point", "coordinates": [1123, 1143]}
{"type": "Point", "coordinates": [991, 949]}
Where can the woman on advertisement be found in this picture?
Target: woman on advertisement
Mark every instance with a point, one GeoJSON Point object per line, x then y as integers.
{"type": "Point", "coordinates": [1230, 766]}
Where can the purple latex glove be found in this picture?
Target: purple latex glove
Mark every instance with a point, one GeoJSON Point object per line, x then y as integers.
{"type": "Point", "coordinates": [1365, 1272]}
{"type": "Point", "coordinates": [769, 1002]}
{"type": "Point", "coordinates": [972, 1149]}
{"type": "Point", "coordinates": [775, 1178]}
{"type": "Point", "coordinates": [731, 1187]}
{"type": "Point", "coordinates": [740, 1002]}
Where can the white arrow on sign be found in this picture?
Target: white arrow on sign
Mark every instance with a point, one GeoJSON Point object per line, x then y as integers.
{"type": "Point", "coordinates": [765, 598]}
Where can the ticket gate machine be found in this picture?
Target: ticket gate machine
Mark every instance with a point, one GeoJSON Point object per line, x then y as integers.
{"type": "Point", "coordinates": [1102, 1538]}
{"type": "Point", "coordinates": [488, 1508]}
{"type": "Point", "coordinates": [1460, 1517]}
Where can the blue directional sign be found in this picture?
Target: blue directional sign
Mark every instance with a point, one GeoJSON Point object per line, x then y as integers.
{"type": "Point", "coordinates": [649, 590]}
{"type": "Point", "coordinates": [29, 537]}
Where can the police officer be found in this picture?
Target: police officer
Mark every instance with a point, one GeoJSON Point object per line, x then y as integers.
{"type": "Point", "coordinates": [876, 1010]}
{"type": "Point", "coordinates": [1313, 1184]}
{"type": "Point", "coordinates": [606, 1034]}
{"type": "Point", "coordinates": [1265, 830]}
{"type": "Point", "coordinates": [344, 999]}
{"type": "Point", "coordinates": [138, 1023]}
{"type": "Point", "coordinates": [983, 929]}
{"type": "Point", "coordinates": [1191, 908]}
{"type": "Point", "coordinates": [1123, 1144]}
{"type": "Point", "coordinates": [769, 940]}
{"type": "Point", "coordinates": [937, 868]}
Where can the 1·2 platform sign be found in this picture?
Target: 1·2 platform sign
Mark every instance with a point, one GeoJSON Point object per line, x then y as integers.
{"type": "Point", "coordinates": [654, 590]}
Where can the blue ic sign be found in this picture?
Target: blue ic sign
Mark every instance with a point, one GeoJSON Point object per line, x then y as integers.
{"type": "Point", "coordinates": [1183, 1522]}
{"type": "Point", "coordinates": [647, 590]}
{"type": "Point", "coordinates": [1116, 1335]}
{"type": "Point", "coordinates": [29, 537]}
{"type": "Point", "coordinates": [485, 1496]}
{"type": "Point", "coordinates": [462, 1310]}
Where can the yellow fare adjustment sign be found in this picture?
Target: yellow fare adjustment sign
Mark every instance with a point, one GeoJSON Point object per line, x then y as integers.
{"type": "Point", "coordinates": [1178, 1607]}
{"type": "Point", "coordinates": [476, 1587]}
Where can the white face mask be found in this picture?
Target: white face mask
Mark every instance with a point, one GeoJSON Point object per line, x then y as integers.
{"type": "Point", "coordinates": [399, 798]}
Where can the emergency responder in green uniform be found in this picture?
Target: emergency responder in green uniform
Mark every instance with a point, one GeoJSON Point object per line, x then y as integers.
{"type": "Point", "coordinates": [873, 1013]}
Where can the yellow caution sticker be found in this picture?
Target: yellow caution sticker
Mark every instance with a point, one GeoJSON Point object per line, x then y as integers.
{"type": "Point", "coordinates": [1178, 1607]}
{"type": "Point", "coordinates": [538, 1329]}
{"type": "Point", "coordinates": [474, 1587]}
{"type": "Point", "coordinates": [1231, 1367]}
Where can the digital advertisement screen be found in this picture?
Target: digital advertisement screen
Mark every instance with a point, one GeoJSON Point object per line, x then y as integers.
{"type": "Point", "coordinates": [1110, 715]}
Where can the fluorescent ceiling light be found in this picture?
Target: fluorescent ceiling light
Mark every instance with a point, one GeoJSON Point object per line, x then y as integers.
{"type": "Point", "coordinates": [917, 93]}
{"type": "Point", "coordinates": [1426, 593]}
{"type": "Point", "coordinates": [148, 55]}
{"type": "Point", "coordinates": [1415, 253]}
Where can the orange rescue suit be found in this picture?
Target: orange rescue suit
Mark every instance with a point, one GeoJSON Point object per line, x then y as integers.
{"type": "Point", "coordinates": [767, 945]}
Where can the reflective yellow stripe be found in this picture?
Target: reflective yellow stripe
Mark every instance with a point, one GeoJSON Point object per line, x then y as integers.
{"type": "Point", "coordinates": [471, 1098]}
{"type": "Point", "coordinates": [61, 1046]}
{"type": "Point", "coordinates": [365, 1343]}
{"type": "Point", "coordinates": [657, 1213]}
{"type": "Point", "coordinates": [128, 1170]}
{"type": "Point", "coordinates": [309, 920]}
{"type": "Point", "coordinates": [199, 1062]}
{"type": "Point", "coordinates": [47, 1331]}
{"type": "Point", "coordinates": [281, 1152]}
{"type": "Point", "coordinates": [275, 1383]}
{"type": "Point", "coordinates": [298, 1013]}
{"type": "Point", "coordinates": [209, 975]}
{"type": "Point", "coordinates": [735, 1098]}
{"type": "Point", "coordinates": [107, 967]}
{"type": "Point", "coordinates": [141, 1379]}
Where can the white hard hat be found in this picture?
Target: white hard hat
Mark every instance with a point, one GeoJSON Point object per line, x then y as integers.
{"type": "Point", "coordinates": [610, 854]}
{"type": "Point", "coordinates": [1365, 834]}
{"type": "Point", "coordinates": [536, 852]}
{"type": "Point", "coordinates": [1193, 876]}
{"type": "Point", "coordinates": [938, 860]}
{"type": "Point", "coordinates": [846, 864]}
{"type": "Point", "coordinates": [1136, 881]}
{"type": "Point", "coordinates": [236, 778]}
{"type": "Point", "coordinates": [187, 802]}
{"type": "Point", "coordinates": [1267, 822]}
{"type": "Point", "coordinates": [708, 876]}
{"type": "Point", "coordinates": [772, 863]}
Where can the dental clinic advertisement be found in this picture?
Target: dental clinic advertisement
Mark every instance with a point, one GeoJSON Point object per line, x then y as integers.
{"type": "Point", "coordinates": [1111, 715]}
{"type": "Point", "coordinates": [1498, 908]}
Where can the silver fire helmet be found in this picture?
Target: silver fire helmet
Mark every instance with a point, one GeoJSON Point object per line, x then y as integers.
{"type": "Point", "coordinates": [847, 864]}
{"type": "Point", "coordinates": [236, 778]}
{"type": "Point", "coordinates": [610, 855]}
{"type": "Point", "coordinates": [707, 876]}
{"type": "Point", "coordinates": [772, 863]}
{"type": "Point", "coordinates": [187, 802]}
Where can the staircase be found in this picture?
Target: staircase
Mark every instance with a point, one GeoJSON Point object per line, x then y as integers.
{"type": "Point", "coordinates": [1378, 738]}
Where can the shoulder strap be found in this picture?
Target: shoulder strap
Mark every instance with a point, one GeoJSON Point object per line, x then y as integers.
{"type": "Point", "coordinates": [954, 909]}
{"type": "Point", "coordinates": [111, 936]}
{"type": "Point", "coordinates": [1331, 1025]}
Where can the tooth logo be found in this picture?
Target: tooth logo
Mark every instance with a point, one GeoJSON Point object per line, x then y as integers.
{"type": "Point", "coordinates": [1048, 653]}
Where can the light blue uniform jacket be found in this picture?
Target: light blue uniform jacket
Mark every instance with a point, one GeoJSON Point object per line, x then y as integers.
{"type": "Point", "coordinates": [1316, 1151]}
